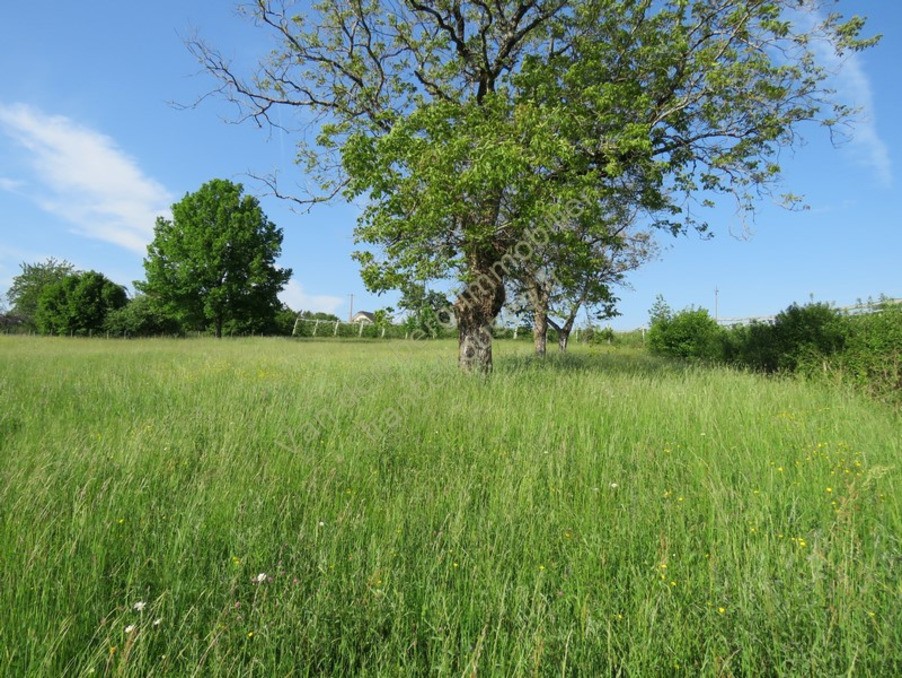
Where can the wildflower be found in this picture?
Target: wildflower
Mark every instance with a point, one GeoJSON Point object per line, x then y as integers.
{"type": "Point", "coordinates": [322, 524]}
{"type": "Point", "coordinates": [250, 634]}
{"type": "Point", "coordinates": [158, 621]}
{"type": "Point", "coordinates": [613, 486]}
{"type": "Point", "coordinates": [260, 578]}
{"type": "Point", "coordinates": [829, 489]}
{"type": "Point", "coordinates": [721, 610]}
{"type": "Point", "coordinates": [139, 606]}
{"type": "Point", "coordinates": [130, 628]}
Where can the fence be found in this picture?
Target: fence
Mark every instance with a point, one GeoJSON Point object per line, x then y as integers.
{"type": "Point", "coordinates": [855, 309]}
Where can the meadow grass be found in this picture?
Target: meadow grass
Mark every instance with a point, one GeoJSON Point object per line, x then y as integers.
{"type": "Point", "coordinates": [360, 508]}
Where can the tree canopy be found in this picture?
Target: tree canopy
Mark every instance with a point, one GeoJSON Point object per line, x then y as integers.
{"type": "Point", "coordinates": [471, 129]}
{"type": "Point", "coordinates": [27, 287]}
{"type": "Point", "coordinates": [213, 264]}
{"type": "Point", "coordinates": [78, 304]}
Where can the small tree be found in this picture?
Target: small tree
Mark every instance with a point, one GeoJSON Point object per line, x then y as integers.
{"type": "Point", "coordinates": [27, 287]}
{"type": "Point", "coordinates": [78, 304]}
{"type": "Point", "coordinates": [213, 264]}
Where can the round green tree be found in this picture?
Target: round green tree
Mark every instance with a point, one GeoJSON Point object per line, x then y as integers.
{"type": "Point", "coordinates": [78, 304]}
{"type": "Point", "coordinates": [213, 264]}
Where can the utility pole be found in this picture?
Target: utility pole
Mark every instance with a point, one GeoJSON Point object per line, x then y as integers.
{"type": "Point", "coordinates": [351, 311]}
{"type": "Point", "coordinates": [716, 292]}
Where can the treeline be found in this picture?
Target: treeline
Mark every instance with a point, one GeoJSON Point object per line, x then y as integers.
{"type": "Point", "coordinates": [816, 340]}
{"type": "Point", "coordinates": [211, 268]}
{"type": "Point", "coordinates": [52, 297]}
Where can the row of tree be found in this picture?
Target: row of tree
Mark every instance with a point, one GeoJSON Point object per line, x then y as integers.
{"type": "Point", "coordinates": [209, 268]}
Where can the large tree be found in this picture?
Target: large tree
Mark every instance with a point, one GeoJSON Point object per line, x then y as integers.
{"type": "Point", "coordinates": [471, 127]}
{"type": "Point", "coordinates": [213, 263]}
{"type": "Point", "coordinates": [27, 287]}
{"type": "Point", "coordinates": [78, 304]}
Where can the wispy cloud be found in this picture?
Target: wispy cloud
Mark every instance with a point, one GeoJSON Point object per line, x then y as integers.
{"type": "Point", "coordinates": [295, 296]}
{"type": "Point", "coordinates": [852, 83]}
{"type": "Point", "coordinates": [83, 177]}
{"type": "Point", "coordinates": [11, 185]}
{"type": "Point", "coordinates": [867, 147]}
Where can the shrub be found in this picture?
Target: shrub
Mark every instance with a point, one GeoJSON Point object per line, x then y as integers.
{"type": "Point", "coordinates": [805, 335]}
{"type": "Point", "coordinates": [690, 333]}
{"type": "Point", "coordinates": [872, 355]}
{"type": "Point", "coordinates": [142, 318]}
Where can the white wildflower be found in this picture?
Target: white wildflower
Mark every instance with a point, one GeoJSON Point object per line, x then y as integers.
{"type": "Point", "coordinates": [130, 628]}
{"type": "Point", "coordinates": [260, 578]}
{"type": "Point", "coordinates": [139, 606]}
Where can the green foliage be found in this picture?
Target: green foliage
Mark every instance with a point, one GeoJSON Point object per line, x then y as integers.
{"type": "Point", "coordinates": [798, 336]}
{"type": "Point", "coordinates": [871, 358]}
{"type": "Point", "coordinates": [25, 292]}
{"type": "Point", "coordinates": [285, 320]}
{"type": "Point", "coordinates": [141, 317]}
{"type": "Point", "coordinates": [78, 304]}
{"type": "Point", "coordinates": [690, 333]}
{"type": "Point", "coordinates": [806, 334]}
{"type": "Point", "coordinates": [429, 312]}
{"type": "Point", "coordinates": [213, 265]}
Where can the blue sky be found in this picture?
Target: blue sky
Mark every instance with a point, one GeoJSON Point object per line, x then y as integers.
{"type": "Point", "coordinates": [92, 149]}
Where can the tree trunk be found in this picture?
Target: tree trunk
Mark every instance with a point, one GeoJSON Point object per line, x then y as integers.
{"type": "Point", "coordinates": [218, 328]}
{"type": "Point", "coordinates": [476, 309]}
{"type": "Point", "coordinates": [540, 332]}
{"type": "Point", "coordinates": [539, 299]}
{"type": "Point", "coordinates": [563, 331]}
{"type": "Point", "coordinates": [563, 338]}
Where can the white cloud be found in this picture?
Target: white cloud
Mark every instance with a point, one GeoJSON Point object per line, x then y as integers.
{"type": "Point", "coordinates": [853, 88]}
{"type": "Point", "coordinates": [867, 147]}
{"type": "Point", "coordinates": [11, 185]}
{"type": "Point", "coordinates": [83, 177]}
{"type": "Point", "coordinates": [295, 296]}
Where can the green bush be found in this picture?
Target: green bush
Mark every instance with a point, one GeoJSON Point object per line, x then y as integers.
{"type": "Point", "coordinates": [78, 304]}
{"type": "Point", "coordinates": [690, 333]}
{"type": "Point", "coordinates": [805, 335]}
{"type": "Point", "coordinates": [872, 355]}
{"type": "Point", "coordinates": [141, 318]}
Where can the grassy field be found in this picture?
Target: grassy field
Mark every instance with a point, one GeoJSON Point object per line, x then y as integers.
{"type": "Point", "coordinates": [275, 507]}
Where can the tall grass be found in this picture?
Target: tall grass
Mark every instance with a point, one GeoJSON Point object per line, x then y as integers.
{"type": "Point", "coordinates": [300, 507]}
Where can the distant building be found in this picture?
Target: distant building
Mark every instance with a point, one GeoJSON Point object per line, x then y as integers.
{"type": "Point", "coordinates": [363, 317]}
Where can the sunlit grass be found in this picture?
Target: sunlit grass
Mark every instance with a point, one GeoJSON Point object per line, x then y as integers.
{"type": "Point", "coordinates": [345, 508]}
